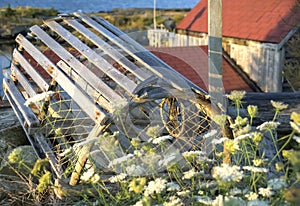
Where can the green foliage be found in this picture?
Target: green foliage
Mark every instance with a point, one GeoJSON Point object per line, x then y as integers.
{"type": "Point", "coordinates": [248, 179]}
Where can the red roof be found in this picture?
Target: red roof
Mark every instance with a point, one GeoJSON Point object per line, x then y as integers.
{"type": "Point", "coordinates": [192, 62]}
{"type": "Point", "coordinates": [261, 20]}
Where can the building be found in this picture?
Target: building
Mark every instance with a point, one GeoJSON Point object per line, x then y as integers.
{"type": "Point", "coordinates": [192, 62]}
{"type": "Point", "coordinates": [258, 35]}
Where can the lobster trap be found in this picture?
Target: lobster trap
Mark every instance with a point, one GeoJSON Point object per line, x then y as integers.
{"type": "Point", "coordinates": [85, 92]}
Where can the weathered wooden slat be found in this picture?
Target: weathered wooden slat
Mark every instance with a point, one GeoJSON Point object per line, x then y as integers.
{"type": "Point", "coordinates": [265, 109]}
{"type": "Point", "coordinates": [49, 154]}
{"type": "Point", "coordinates": [83, 154]}
{"type": "Point", "coordinates": [29, 117]}
{"type": "Point", "coordinates": [23, 80]}
{"type": "Point", "coordinates": [143, 56]}
{"type": "Point", "coordinates": [30, 70]}
{"type": "Point", "coordinates": [149, 58]}
{"type": "Point", "coordinates": [76, 65]}
{"type": "Point", "coordinates": [107, 49]}
{"type": "Point", "coordinates": [81, 99]}
{"type": "Point", "coordinates": [84, 85]}
{"type": "Point", "coordinates": [93, 57]}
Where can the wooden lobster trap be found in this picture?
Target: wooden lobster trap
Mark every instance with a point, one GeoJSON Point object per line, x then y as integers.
{"type": "Point", "coordinates": [77, 80]}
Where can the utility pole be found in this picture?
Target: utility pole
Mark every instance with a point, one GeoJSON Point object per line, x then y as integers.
{"type": "Point", "coordinates": [154, 14]}
{"type": "Point", "coordinates": [215, 85]}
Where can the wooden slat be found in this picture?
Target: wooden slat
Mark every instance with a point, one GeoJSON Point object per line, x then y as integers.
{"type": "Point", "coordinates": [93, 57]}
{"type": "Point", "coordinates": [152, 63]}
{"type": "Point", "coordinates": [29, 117]}
{"type": "Point", "coordinates": [81, 99]}
{"type": "Point", "coordinates": [49, 154]}
{"type": "Point", "coordinates": [77, 66]}
{"type": "Point", "coordinates": [107, 49]}
{"type": "Point", "coordinates": [147, 58]}
{"type": "Point", "coordinates": [23, 80]}
{"type": "Point", "coordinates": [83, 154]}
{"type": "Point", "coordinates": [84, 85]}
{"type": "Point", "coordinates": [30, 70]}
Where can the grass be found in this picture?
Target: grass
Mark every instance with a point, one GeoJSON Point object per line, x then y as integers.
{"type": "Point", "coordinates": [125, 19]}
{"type": "Point", "coordinates": [250, 177]}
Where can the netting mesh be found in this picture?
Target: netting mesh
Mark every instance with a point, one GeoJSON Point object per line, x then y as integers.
{"type": "Point", "coordinates": [150, 113]}
{"type": "Point", "coordinates": [139, 138]}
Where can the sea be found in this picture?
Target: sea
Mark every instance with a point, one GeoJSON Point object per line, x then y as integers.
{"type": "Point", "coordinates": [69, 6]}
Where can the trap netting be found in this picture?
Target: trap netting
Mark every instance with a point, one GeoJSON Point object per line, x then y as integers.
{"type": "Point", "coordinates": [143, 135]}
{"type": "Point", "coordinates": [102, 102]}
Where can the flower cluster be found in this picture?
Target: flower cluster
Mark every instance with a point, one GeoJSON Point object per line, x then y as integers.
{"type": "Point", "coordinates": [227, 173]}
{"type": "Point", "coordinates": [155, 187]}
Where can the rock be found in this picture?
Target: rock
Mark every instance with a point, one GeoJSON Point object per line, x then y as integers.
{"type": "Point", "coordinates": [26, 154]}
{"type": "Point", "coordinates": [10, 129]}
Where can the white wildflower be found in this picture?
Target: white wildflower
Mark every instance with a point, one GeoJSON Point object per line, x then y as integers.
{"type": "Point", "coordinates": [255, 169]}
{"type": "Point", "coordinates": [183, 193]}
{"type": "Point", "coordinates": [95, 178]}
{"type": "Point", "coordinates": [236, 95]}
{"type": "Point", "coordinates": [139, 203]}
{"type": "Point", "coordinates": [201, 192]}
{"type": "Point", "coordinates": [271, 125]}
{"type": "Point", "coordinates": [138, 153]}
{"type": "Point", "coordinates": [212, 133]}
{"type": "Point", "coordinates": [161, 139]}
{"type": "Point", "coordinates": [265, 192]}
{"type": "Point", "coordinates": [173, 201]}
{"type": "Point", "coordinates": [251, 196]}
{"type": "Point", "coordinates": [244, 130]}
{"type": "Point", "coordinates": [171, 186]}
{"type": "Point", "coordinates": [218, 201]}
{"type": "Point", "coordinates": [143, 201]}
{"type": "Point", "coordinates": [219, 141]}
{"type": "Point", "coordinates": [135, 170]}
{"type": "Point", "coordinates": [295, 127]}
{"type": "Point", "coordinates": [242, 137]}
{"type": "Point", "coordinates": [39, 97]}
{"type": "Point", "coordinates": [153, 131]}
{"type": "Point", "coordinates": [156, 186]}
{"type": "Point", "coordinates": [227, 173]}
{"type": "Point", "coordinates": [257, 203]}
{"type": "Point", "coordinates": [205, 200]}
{"type": "Point", "coordinates": [258, 162]}
{"type": "Point", "coordinates": [239, 122]}
{"type": "Point", "coordinates": [190, 174]}
{"type": "Point", "coordinates": [120, 160]}
{"type": "Point", "coordinates": [87, 175]}
{"type": "Point", "coordinates": [66, 152]}
{"type": "Point", "coordinates": [232, 146]}
{"type": "Point", "coordinates": [279, 105]}
{"type": "Point", "coordinates": [276, 183]}
{"type": "Point", "coordinates": [193, 153]}
{"type": "Point", "coordinates": [252, 110]}
{"type": "Point", "coordinates": [296, 138]}
{"type": "Point", "coordinates": [117, 178]}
